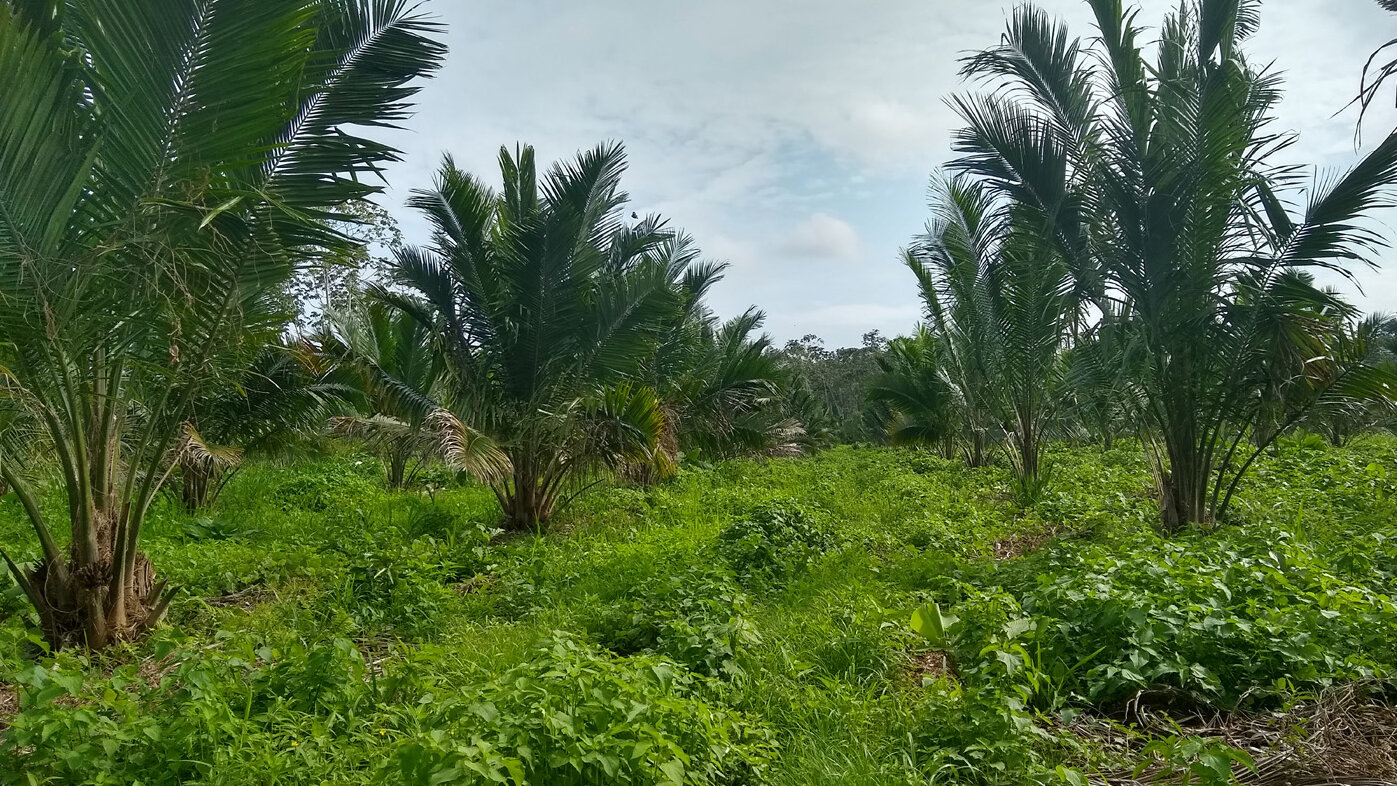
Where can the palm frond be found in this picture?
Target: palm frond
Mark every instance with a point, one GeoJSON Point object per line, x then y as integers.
{"type": "Point", "coordinates": [467, 449]}
{"type": "Point", "coordinates": [194, 450]}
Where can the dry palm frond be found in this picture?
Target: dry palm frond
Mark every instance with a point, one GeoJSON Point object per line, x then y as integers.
{"type": "Point", "coordinates": [467, 449]}
{"type": "Point", "coordinates": [378, 432]}
{"type": "Point", "coordinates": [194, 451]}
{"type": "Point", "coordinates": [788, 439]}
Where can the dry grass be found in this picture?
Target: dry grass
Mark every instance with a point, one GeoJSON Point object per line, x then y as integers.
{"type": "Point", "coordinates": [475, 584]}
{"type": "Point", "coordinates": [9, 705]}
{"type": "Point", "coordinates": [247, 599]}
{"type": "Point", "coordinates": [377, 652]}
{"type": "Point", "coordinates": [1347, 737]}
{"type": "Point", "coordinates": [1017, 546]}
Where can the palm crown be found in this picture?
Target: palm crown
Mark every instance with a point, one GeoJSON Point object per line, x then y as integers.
{"type": "Point", "coordinates": [1156, 184]}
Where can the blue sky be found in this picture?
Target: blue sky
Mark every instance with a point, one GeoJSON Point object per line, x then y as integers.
{"type": "Point", "coordinates": [795, 138]}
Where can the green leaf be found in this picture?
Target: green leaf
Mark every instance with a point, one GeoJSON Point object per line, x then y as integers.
{"type": "Point", "coordinates": [934, 625]}
{"type": "Point", "coordinates": [220, 210]}
{"type": "Point", "coordinates": [1016, 628]}
{"type": "Point", "coordinates": [674, 770]}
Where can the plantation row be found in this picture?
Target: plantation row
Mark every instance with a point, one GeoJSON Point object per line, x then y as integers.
{"type": "Point", "coordinates": [1113, 253]}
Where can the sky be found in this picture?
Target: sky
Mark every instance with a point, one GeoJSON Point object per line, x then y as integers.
{"type": "Point", "coordinates": [795, 138]}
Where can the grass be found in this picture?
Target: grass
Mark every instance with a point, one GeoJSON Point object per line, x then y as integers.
{"type": "Point", "coordinates": [746, 623]}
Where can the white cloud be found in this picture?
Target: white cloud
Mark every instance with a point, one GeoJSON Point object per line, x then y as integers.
{"type": "Point", "coordinates": [861, 317]}
{"type": "Point", "coordinates": [822, 236]}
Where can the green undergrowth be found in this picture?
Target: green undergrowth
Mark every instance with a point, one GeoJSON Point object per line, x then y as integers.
{"type": "Point", "coordinates": [742, 624]}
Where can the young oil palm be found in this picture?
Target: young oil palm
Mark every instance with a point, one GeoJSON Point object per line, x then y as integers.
{"type": "Point", "coordinates": [916, 403]}
{"type": "Point", "coordinates": [1370, 341]}
{"type": "Point", "coordinates": [390, 360]}
{"type": "Point", "coordinates": [1101, 398]}
{"type": "Point", "coordinates": [546, 305]}
{"type": "Point", "coordinates": [1000, 302]}
{"type": "Point", "coordinates": [728, 400]}
{"type": "Point", "coordinates": [1156, 177]}
{"type": "Point", "coordinates": [950, 263]}
{"type": "Point", "coordinates": [163, 164]}
{"type": "Point", "coordinates": [721, 383]}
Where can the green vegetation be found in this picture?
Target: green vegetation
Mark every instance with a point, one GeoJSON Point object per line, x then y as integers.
{"type": "Point", "coordinates": [518, 506]}
{"type": "Point", "coordinates": [747, 623]}
{"type": "Point", "coordinates": [1091, 176]}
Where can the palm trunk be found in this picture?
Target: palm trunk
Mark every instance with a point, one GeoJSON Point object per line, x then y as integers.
{"type": "Point", "coordinates": [97, 599]}
{"type": "Point", "coordinates": [397, 469]}
{"type": "Point", "coordinates": [532, 497]}
{"type": "Point", "coordinates": [1184, 487]}
{"type": "Point", "coordinates": [1028, 467]}
{"type": "Point", "coordinates": [101, 591]}
{"type": "Point", "coordinates": [523, 508]}
{"type": "Point", "coordinates": [977, 454]}
{"type": "Point", "coordinates": [197, 482]}
{"type": "Point", "coordinates": [948, 447]}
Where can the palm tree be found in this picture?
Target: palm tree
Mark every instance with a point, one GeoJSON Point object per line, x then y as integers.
{"type": "Point", "coordinates": [950, 263]}
{"type": "Point", "coordinates": [1101, 395]}
{"type": "Point", "coordinates": [1155, 177]}
{"type": "Point", "coordinates": [398, 378]}
{"type": "Point", "coordinates": [163, 165]}
{"type": "Point", "coordinates": [1369, 341]}
{"type": "Point", "coordinates": [730, 399]}
{"type": "Point", "coordinates": [917, 403]}
{"type": "Point", "coordinates": [1000, 299]}
{"type": "Point", "coordinates": [546, 305]}
{"type": "Point", "coordinates": [721, 383]}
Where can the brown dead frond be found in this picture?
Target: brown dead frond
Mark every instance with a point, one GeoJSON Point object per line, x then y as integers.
{"type": "Point", "coordinates": [195, 451]}
{"type": "Point", "coordinates": [787, 439]}
{"type": "Point", "coordinates": [467, 449]}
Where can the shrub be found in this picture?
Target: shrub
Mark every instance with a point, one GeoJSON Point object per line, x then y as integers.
{"type": "Point", "coordinates": [220, 567]}
{"type": "Point", "coordinates": [774, 543]}
{"type": "Point", "coordinates": [1250, 618]}
{"type": "Point", "coordinates": [698, 620]}
{"type": "Point", "coordinates": [247, 716]}
{"type": "Point", "coordinates": [320, 487]}
{"type": "Point", "coordinates": [576, 715]}
{"type": "Point", "coordinates": [403, 586]}
{"type": "Point", "coordinates": [208, 528]}
{"type": "Point", "coordinates": [981, 736]}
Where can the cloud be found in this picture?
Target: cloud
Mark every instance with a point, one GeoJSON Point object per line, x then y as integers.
{"type": "Point", "coordinates": [822, 236]}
